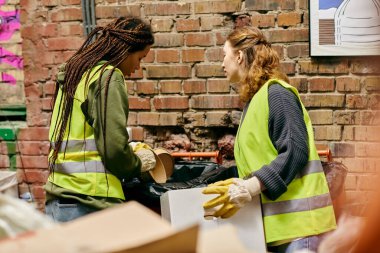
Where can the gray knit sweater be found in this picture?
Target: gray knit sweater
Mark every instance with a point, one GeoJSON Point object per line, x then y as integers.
{"type": "Point", "coordinates": [288, 133]}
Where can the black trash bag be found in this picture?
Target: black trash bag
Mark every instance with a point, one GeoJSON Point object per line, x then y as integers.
{"type": "Point", "coordinates": [185, 175]}
{"type": "Point", "coordinates": [336, 173]}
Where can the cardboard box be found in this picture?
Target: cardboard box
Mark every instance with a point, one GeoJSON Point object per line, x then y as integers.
{"type": "Point", "coordinates": [183, 208]}
{"type": "Point", "coordinates": [126, 228]}
{"type": "Point", "coordinates": [8, 183]}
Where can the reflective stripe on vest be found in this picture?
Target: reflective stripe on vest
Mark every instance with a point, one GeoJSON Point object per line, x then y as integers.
{"type": "Point", "coordinates": [305, 208]}
{"type": "Point", "coordinates": [79, 166]}
{"type": "Point", "coordinates": [297, 205]}
{"type": "Point", "coordinates": [77, 145]}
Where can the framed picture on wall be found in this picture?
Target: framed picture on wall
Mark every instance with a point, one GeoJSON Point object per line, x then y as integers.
{"type": "Point", "coordinates": [344, 27]}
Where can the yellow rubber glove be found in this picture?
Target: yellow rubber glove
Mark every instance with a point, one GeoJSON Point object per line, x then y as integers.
{"type": "Point", "coordinates": [136, 146]}
{"type": "Point", "coordinates": [234, 193]}
{"type": "Point", "coordinates": [146, 155]}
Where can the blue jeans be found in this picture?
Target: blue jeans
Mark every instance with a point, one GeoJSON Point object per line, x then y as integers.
{"type": "Point", "coordinates": [311, 243]}
{"type": "Point", "coordinates": [62, 212]}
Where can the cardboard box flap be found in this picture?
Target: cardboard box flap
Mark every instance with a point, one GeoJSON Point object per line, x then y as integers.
{"type": "Point", "coordinates": [116, 229]}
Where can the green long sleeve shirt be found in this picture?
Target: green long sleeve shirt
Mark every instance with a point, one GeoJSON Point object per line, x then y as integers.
{"type": "Point", "coordinates": [118, 156]}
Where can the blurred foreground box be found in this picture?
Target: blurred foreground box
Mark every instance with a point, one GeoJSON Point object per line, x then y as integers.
{"type": "Point", "coordinates": [8, 183]}
{"type": "Point", "coordinates": [183, 208]}
{"type": "Point", "coordinates": [128, 227]}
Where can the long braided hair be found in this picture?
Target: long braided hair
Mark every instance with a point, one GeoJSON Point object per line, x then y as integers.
{"type": "Point", "coordinates": [261, 60]}
{"type": "Point", "coordinates": [112, 43]}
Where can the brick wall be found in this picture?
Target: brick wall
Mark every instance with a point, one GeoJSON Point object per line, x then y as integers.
{"type": "Point", "coordinates": [181, 98]}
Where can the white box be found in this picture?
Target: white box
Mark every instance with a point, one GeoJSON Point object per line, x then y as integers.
{"type": "Point", "coordinates": [183, 208]}
{"type": "Point", "coordinates": [8, 183]}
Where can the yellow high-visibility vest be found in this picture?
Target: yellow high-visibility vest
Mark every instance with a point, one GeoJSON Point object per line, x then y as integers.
{"type": "Point", "coordinates": [80, 168]}
{"type": "Point", "coordinates": [305, 208]}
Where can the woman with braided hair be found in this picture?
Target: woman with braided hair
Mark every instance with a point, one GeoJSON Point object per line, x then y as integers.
{"type": "Point", "coordinates": [274, 151]}
{"type": "Point", "coordinates": [89, 154]}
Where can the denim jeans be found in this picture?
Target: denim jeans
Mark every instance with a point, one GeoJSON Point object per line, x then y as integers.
{"type": "Point", "coordinates": [311, 243]}
{"type": "Point", "coordinates": [62, 212]}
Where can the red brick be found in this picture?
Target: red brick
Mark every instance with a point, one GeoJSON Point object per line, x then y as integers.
{"type": "Point", "coordinates": [32, 162]}
{"type": "Point", "coordinates": [346, 117]}
{"type": "Point", "coordinates": [195, 119]}
{"type": "Point", "coordinates": [185, 25]}
{"type": "Point", "coordinates": [194, 86]}
{"type": "Point", "coordinates": [329, 133]}
{"type": "Point", "coordinates": [372, 84]}
{"type": "Point", "coordinates": [148, 118]}
{"type": "Point", "coordinates": [218, 86]}
{"type": "Point", "coordinates": [137, 103]}
{"type": "Point", "coordinates": [46, 104]}
{"type": "Point", "coordinates": [366, 182]}
{"type": "Point", "coordinates": [50, 3]}
{"type": "Point", "coordinates": [168, 40]}
{"type": "Point", "coordinates": [304, 4]}
{"type": "Point", "coordinates": [211, 22]}
{"type": "Point", "coordinates": [230, 6]}
{"type": "Point", "coordinates": [280, 50]}
{"type": "Point", "coordinates": [171, 102]}
{"type": "Point", "coordinates": [370, 118]}
{"type": "Point", "coordinates": [64, 43]}
{"type": "Point", "coordinates": [216, 102]}
{"type": "Point", "coordinates": [170, 86]}
{"type": "Point", "coordinates": [33, 91]}
{"type": "Point", "coordinates": [263, 20]}
{"type": "Point", "coordinates": [217, 118]}
{"type": "Point", "coordinates": [321, 84]}
{"type": "Point", "coordinates": [193, 55]}
{"type": "Point", "coordinates": [300, 83]}
{"type": "Point", "coordinates": [374, 102]}
{"type": "Point", "coordinates": [347, 83]}
{"type": "Point", "coordinates": [71, 30]}
{"type": "Point", "coordinates": [288, 68]}
{"type": "Point", "coordinates": [166, 9]}
{"type": "Point", "coordinates": [165, 71]}
{"type": "Point", "coordinates": [209, 70]}
{"type": "Point", "coordinates": [321, 117]}
{"type": "Point", "coordinates": [289, 19]}
{"type": "Point", "coordinates": [70, 2]}
{"type": "Point", "coordinates": [215, 54]}
{"type": "Point", "coordinates": [339, 149]}
{"type": "Point", "coordinates": [32, 176]}
{"type": "Point", "coordinates": [199, 39]}
{"type": "Point", "coordinates": [323, 100]}
{"type": "Point", "coordinates": [324, 67]}
{"type": "Point", "coordinates": [162, 25]}
{"type": "Point", "coordinates": [33, 147]}
{"type": "Point", "coordinates": [368, 65]}
{"type": "Point", "coordinates": [137, 134]}
{"type": "Point", "coordinates": [366, 149]}
{"type": "Point", "coordinates": [367, 133]}
{"type": "Point", "coordinates": [170, 119]}
{"type": "Point", "coordinates": [167, 55]}
{"type": "Point", "coordinates": [112, 11]}
{"type": "Point", "coordinates": [33, 76]}
{"type": "Point", "coordinates": [67, 14]}
{"type": "Point", "coordinates": [4, 161]}
{"type": "Point", "coordinates": [33, 134]}
{"type": "Point", "coordinates": [288, 35]}
{"type": "Point", "coordinates": [38, 191]}
{"type": "Point", "coordinates": [356, 101]}
{"type": "Point", "coordinates": [132, 119]}
{"type": "Point", "coordinates": [351, 182]}
{"type": "Point", "coordinates": [220, 37]}
{"type": "Point", "coordinates": [270, 5]}
{"type": "Point", "coordinates": [298, 51]}
{"type": "Point", "coordinates": [146, 87]}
